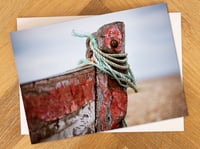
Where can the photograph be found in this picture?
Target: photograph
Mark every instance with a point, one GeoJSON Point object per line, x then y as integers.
{"type": "Point", "coordinates": [99, 73]}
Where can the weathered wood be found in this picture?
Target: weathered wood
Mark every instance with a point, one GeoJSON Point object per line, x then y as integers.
{"type": "Point", "coordinates": [76, 103]}
{"type": "Point", "coordinates": [111, 103]}
{"type": "Point", "coordinates": [110, 39]}
{"type": "Point", "coordinates": [61, 106]}
{"type": "Point", "coordinates": [80, 101]}
{"type": "Point", "coordinates": [111, 98]}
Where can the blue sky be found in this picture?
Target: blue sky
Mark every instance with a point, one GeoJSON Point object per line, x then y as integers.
{"type": "Point", "coordinates": [45, 51]}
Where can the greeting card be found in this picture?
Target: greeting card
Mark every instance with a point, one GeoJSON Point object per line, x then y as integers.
{"type": "Point", "coordinates": [99, 73]}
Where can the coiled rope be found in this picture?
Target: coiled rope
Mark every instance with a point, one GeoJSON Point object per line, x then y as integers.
{"type": "Point", "coordinates": [105, 62]}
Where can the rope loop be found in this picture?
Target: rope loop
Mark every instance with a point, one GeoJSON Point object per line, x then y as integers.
{"type": "Point", "coordinates": [105, 62]}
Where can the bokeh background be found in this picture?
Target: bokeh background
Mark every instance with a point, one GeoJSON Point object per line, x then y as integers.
{"type": "Point", "coordinates": [45, 51]}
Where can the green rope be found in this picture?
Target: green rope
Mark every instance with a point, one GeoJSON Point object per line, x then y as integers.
{"type": "Point", "coordinates": [124, 123]}
{"type": "Point", "coordinates": [105, 62]}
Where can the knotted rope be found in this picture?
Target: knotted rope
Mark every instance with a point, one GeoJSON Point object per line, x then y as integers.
{"type": "Point", "coordinates": [105, 62]}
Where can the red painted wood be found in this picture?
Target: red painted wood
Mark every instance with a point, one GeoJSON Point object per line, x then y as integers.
{"type": "Point", "coordinates": [111, 103]}
{"type": "Point", "coordinates": [111, 99]}
{"type": "Point", "coordinates": [54, 106]}
{"type": "Point", "coordinates": [111, 34]}
{"type": "Point", "coordinates": [79, 102]}
{"type": "Point", "coordinates": [50, 99]}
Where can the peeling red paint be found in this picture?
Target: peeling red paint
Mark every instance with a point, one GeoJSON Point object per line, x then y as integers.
{"type": "Point", "coordinates": [111, 103]}
{"type": "Point", "coordinates": [118, 106]}
{"type": "Point", "coordinates": [57, 99]}
{"type": "Point", "coordinates": [51, 99]}
{"type": "Point", "coordinates": [82, 101]}
{"type": "Point", "coordinates": [113, 33]}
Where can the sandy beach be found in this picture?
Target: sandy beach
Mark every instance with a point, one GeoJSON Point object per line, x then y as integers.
{"type": "Point", "coordinates": [157, 99]}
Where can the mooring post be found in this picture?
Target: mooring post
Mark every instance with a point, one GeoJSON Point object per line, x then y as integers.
{"type": "Point", "coordinates": [111, 97]}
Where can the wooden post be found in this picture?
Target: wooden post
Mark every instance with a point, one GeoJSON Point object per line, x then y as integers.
{"type": "Point", "coordinates": [111, 98]}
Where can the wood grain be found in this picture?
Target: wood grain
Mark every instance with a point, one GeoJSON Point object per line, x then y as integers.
{"type": "Point", "coordinates": [9, 99]}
